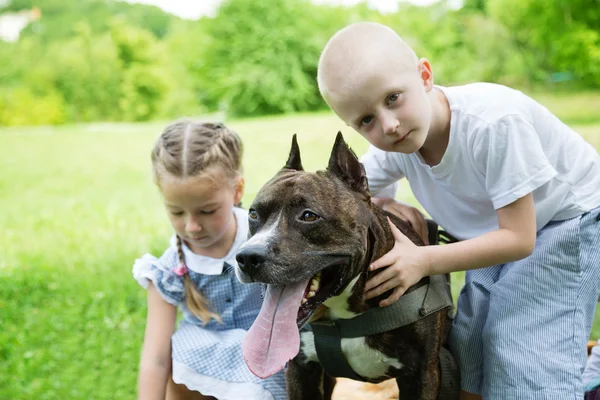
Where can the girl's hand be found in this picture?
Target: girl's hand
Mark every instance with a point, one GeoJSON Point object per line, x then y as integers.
{"type": "Point", "coordinates": [408, 214]}
{"type": "Point", "coordinates": [406, 265]}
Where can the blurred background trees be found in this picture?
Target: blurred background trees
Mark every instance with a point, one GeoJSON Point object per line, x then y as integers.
{"type": "Point", "coordinates": [103, 60]}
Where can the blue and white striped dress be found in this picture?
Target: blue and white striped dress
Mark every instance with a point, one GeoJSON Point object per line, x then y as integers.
{"type": "Point", "coordinates": [209, 358]}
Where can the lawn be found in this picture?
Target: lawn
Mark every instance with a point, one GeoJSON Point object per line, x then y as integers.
{"type": "Point", "coordinates": [78, 206]}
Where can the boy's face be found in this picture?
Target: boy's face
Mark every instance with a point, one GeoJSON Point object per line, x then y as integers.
{"type": "Point", "coordinates": [388, 105]}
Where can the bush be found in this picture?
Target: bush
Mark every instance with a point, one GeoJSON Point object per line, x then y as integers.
{"type": "Point", "coordinates": [263, 57]}
{"type": "Point", "coordinates": [20, 106]}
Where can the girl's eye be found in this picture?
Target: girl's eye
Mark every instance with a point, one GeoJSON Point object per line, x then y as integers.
{"type": "Point", "coordinates": [177, 213]}
{"type": "Point", "coordinates": [208, 212]}
{"type": "Point", "coordinates": [252, 214]}
{"type": "Point", "coordinates": [309, 216]}
{"type": "Point", "coordinates": [366, 120]}
{"type": "Point", "coordinates": [392, 98]}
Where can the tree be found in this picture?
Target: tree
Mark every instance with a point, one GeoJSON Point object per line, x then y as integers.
{"type": "Point", "coordinates": [558, 36]}
{"type": "Point", "coordinates": [264, 55]}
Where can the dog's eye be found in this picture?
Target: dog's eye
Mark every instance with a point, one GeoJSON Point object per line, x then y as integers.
{"type": "Point", "coordinates": [252, 214]}
{"type": "Point", "coordinates": [309, 216]}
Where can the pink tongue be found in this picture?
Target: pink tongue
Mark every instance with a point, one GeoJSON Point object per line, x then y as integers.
{"type": "Point", "coordinates": [274, 338]}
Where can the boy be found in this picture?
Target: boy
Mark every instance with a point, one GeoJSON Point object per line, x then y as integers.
{"type": "Point", "coordinates": [500, 172]}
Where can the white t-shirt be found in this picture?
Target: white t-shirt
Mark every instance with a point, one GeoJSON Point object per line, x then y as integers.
{"type": "Point", "coordinates": [503, 145]}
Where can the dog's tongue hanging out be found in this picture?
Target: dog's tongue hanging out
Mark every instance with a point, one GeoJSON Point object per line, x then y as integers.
{"type": "Point", "coordinates": [274, 338]}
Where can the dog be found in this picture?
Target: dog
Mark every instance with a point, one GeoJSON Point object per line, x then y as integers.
{"type": "Point", "coordinates": [312, 237]}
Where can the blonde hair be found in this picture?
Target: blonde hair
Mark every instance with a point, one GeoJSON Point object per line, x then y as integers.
{"type": "Point", "coordinates": [187, 149]}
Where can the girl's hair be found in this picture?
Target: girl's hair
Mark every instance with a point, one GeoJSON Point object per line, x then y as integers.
{"type": "Point", "coordinates": [187, 149]}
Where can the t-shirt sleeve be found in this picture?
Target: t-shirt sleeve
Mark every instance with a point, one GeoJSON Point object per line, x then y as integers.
{"type": "Point", "coordinates": [382, 171]}
{"type": "Point", "coordinates": [511, 158]}
{"type": "Point", "coordinates": [148, 269]}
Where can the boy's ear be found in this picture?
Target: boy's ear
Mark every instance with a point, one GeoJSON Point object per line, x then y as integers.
{"type": "Point", "coordinates": [344, 164]}
{"type": "Point", "coordinates": [238, 193]}
{"type": "Point", "coordinates": [426, 73]}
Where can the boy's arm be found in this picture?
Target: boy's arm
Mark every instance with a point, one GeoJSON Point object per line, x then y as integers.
{"type": "Point", "coordinates": [512, 241]}
{"type": "Point", "coordinates": [408, 263]}
{"type": "Point", "coordinates": [156, 353]}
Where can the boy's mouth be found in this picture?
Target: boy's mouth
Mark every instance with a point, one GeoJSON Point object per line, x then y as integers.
{"type": "Point", "coordinates": [403, 137]}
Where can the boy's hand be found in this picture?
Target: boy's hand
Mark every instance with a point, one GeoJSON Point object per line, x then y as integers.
{"type": "Point", "coordinates": [406, 264]}
{"type": "Point", "coordinates": [408, 214]}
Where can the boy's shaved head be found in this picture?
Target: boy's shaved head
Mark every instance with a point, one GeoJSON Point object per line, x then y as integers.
{"type": "Point", "coordinates": [353, 52]}
{"type": "Point", "coordinates": [374, 82]}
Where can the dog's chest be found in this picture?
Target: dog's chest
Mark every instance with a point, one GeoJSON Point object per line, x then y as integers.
{"type": "Point", "coordinates": [363, 359]}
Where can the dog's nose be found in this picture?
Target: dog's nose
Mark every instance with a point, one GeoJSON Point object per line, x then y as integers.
{"type": "Point", "coordinates": [250, 258]}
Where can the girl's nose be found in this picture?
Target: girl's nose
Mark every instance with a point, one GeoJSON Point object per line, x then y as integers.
{"type": "Point", "coordinates": [192, 226]}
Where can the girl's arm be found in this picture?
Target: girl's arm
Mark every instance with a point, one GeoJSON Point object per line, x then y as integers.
{"type": "Point", "coordinates": [156, 353]}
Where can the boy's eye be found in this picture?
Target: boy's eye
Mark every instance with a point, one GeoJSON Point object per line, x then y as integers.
{"type": "Point", "coordinates": [208, 212]}
{"type": "Point", "coordinates": [392, 98]}
{"type": "Point", "coordinates": [366, 120]}
{"type": "Point", "coordinates": [309, 216]}
{"type": "Point", "coordinates": [177, 213]}
{"type": "Point", "coordinates": [252, 214]}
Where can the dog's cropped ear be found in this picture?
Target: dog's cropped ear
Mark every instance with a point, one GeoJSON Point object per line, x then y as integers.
{"type": "Point", "coordinates": [344, 163]}
{"type": "Point", "coordinates": [294, 161]}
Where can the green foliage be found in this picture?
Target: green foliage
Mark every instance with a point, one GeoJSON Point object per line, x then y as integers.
{"type": "Point", "coordinates": [87, 72]}
{"type": "Point", "coordinates": [268, 66]}
{"type": "Point", "coordinates": [185, 66]}
{"type": "Point", "coordinates": [134, 45]}
{"type": "Point", "coordinates": [556, 35]}
{"type": "Point", "coordinates": [143, 88]}
{"type": "Point", "coordinates": [60, 16]}
{"type": "Point", "coordinates": [142, 82]}
{"type": "Point", "coordinates": [107, 60]}
{"type": "Point", "coordinates": [478, 6]}
{"type": "Point", "coordinates": [19, 106]}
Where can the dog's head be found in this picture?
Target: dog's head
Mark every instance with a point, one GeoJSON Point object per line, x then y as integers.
{"type": "Point", "coordinates": [309, 238]}
{"type": "Point", "coordinates": [307, 227]}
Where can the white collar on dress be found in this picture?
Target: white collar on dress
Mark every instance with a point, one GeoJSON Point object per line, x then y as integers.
{"type": "Point", "coordinates": [214, 266]}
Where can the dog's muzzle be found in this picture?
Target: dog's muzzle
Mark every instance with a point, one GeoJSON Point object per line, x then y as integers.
{"type": "Point", "coordinates": [250, 258]}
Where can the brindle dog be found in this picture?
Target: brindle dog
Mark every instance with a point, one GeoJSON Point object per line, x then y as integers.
{"type": "Point", "coordinates": [313, 237]}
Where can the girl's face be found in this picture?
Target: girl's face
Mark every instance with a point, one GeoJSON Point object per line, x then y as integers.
{"type": "Point", "coordinates": [200, 211]}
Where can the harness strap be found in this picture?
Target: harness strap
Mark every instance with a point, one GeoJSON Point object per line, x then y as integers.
{"type": "Point", "coordinates": [411, 307]}
{"type": "Point", "coordinates": [329, 350]}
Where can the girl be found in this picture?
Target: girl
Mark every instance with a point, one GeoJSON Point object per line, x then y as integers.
{"type": "Point", "coordinates": [197, 168]}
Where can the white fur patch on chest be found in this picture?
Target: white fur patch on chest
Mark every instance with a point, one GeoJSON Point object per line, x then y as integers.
{"type": "Point", "coordinates": [364, 360]}
{"type": "Point", "coordinates": [338, 306]}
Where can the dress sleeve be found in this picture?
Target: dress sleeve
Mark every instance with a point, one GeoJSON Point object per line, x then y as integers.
{"type": "Point", "coordinates": [148, 269]}
{"type": "Point", "coordinates": [510, 156]}
{"type": "Point", "coordinates": [382, 171]}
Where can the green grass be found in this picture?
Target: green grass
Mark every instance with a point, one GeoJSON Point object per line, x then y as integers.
{"type": "Point", "coordinates": [573, 109]}
{"type": "Point", "coordinates": [77, 207]}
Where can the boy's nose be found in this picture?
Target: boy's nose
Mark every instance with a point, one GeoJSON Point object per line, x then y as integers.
{"type": "Point", "coordinates": [390, 125]}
